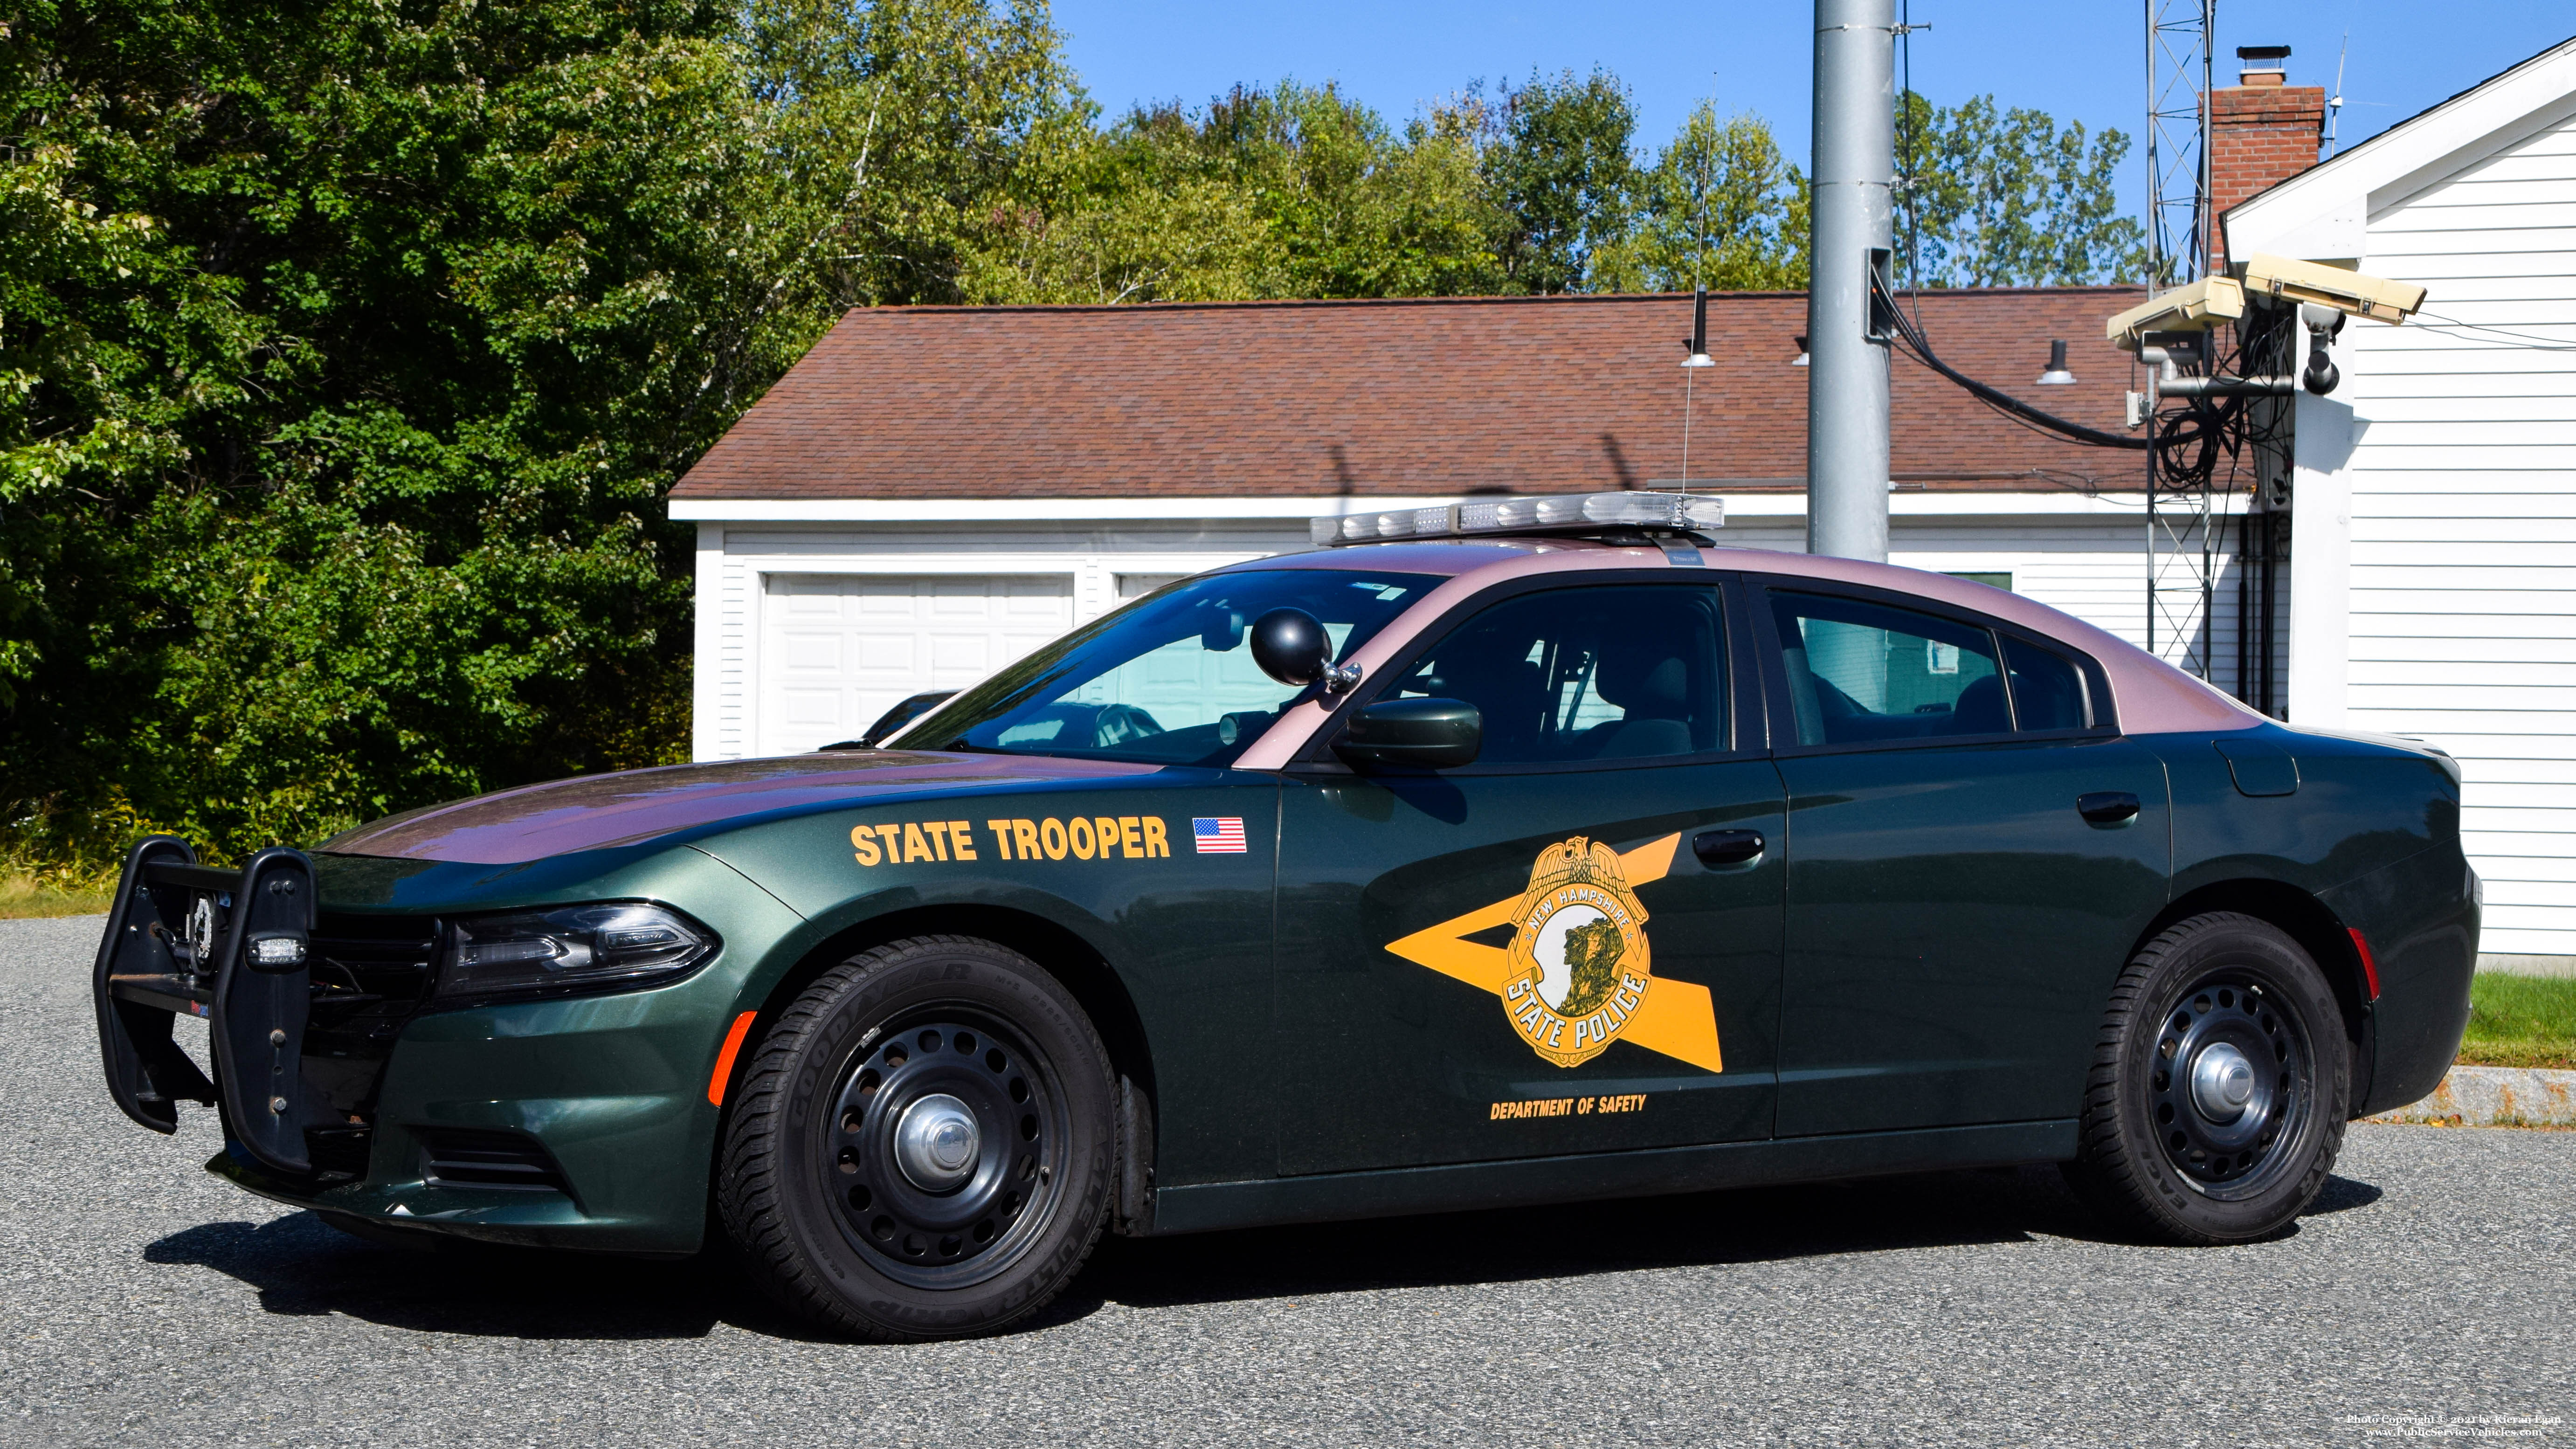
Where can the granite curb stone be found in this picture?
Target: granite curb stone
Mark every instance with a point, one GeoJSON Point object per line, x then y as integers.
{"type": "Point", "coordinates": [2495, 1097]}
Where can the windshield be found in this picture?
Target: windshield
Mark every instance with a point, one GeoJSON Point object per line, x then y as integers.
{"type": "Point", "coordinates": [1168, 679]}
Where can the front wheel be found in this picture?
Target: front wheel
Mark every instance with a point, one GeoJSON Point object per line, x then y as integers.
{"type": "Point", "coordinates": [923, 1145]}
{"type": "Point", "coordinates": [2217, 1098]}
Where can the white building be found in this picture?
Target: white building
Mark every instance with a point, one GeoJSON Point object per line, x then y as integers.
{"type": "Point", "coordinates": [2433, 587]}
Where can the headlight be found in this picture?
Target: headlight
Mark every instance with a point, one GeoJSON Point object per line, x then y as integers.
{"type": "Point", "coordinates": [617, 946]}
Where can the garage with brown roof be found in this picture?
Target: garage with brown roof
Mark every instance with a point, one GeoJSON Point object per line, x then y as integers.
{"type": "Point", "coordinates": [932, 491]}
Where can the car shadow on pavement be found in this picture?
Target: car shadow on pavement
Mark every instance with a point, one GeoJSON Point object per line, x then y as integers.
{"type": "Point", "coordinates": [301, 1266]}
{"type": "Point", "coordinates": [1993, 1206]}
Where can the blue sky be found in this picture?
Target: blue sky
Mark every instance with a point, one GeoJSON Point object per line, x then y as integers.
{"type": "Point", "coordinates": [2081, 60]}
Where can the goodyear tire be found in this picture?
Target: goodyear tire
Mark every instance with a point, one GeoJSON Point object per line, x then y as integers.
{"type": "Point", "coordinates": [924, 1144]}
{"type": "Point", "coordinates": [2219, 1086]}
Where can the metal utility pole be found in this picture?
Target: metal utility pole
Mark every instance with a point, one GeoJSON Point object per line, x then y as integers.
{"type": "Point", "coordinates": [1849, 246]}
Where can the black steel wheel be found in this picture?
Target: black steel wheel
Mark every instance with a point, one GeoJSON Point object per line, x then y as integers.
{"type": "Point", "coordinates": [941, 1149]}
{"type": "Point", "coordinates": [2217, 1098]}
{"type": "Point", "coordinates": [2234, 1076]}
{"type": "Point", "coordinates": [924, 1143]}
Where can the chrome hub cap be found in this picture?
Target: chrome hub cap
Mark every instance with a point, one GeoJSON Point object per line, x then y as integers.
{"type": "Point", "coordinates": [2222, 1082]}
{"type": "Point", "coordinates": [935, 1142]}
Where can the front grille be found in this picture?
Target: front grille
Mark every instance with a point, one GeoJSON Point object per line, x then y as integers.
{"type": "Point", "coordinates": [485, 1157]}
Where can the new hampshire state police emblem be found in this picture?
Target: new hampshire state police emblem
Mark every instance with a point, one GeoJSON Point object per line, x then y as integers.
{"type": "Point", "coordinates": [1582, 968]}
{"type": "Point", "coordinates": [1577, 973]}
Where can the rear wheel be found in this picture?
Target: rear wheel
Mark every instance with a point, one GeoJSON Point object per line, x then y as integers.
{"type": "Point", "coordinates": [2217, 1098]}
{"type": "Point", "coordinates": [923, 1145]}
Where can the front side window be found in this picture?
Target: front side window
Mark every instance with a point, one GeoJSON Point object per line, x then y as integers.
{"type": "Point", "coordinates": [1862, 673]}
{"type": "Point", "coordinates": [1571, 675]}
{"type": "Point", "coordinates": [1168, 679]}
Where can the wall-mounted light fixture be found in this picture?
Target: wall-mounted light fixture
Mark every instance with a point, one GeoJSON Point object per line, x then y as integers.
{"type": "Point", "coordinates": [1697, 342]}
{"type": "Point", "coordinates": [2057, 375]}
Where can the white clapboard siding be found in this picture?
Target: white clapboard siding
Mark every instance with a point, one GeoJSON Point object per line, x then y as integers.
{"type": "Point", "coordinates": [2493, 795]}
{"type": "Point", "coordinates": [2462, 493]}
{"type": "Point", "coordinates": [2463, 506]}
{"type": "Point", "coordinates": [2507, 770]}
{"type": "Point", "coordinates": [2432, 532]}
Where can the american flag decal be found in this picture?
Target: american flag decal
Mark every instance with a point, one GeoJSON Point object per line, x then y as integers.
{"type": "Point", "coordinates": [1218, 837]}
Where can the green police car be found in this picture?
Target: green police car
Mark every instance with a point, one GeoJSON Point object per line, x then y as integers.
{"type": "Point", "coordinates": [1523, 851]}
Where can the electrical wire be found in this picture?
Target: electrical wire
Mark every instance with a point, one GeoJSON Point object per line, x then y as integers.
{"type": "Point", "coordinates": [2531, 341]}
{"type": "Point", "coordinates": [1913, 341]}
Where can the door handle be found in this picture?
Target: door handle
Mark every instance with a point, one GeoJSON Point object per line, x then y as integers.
{"type": "Point", "coordinates": [2107, 807]}
{"type": "Point", "coordinates": [1727, 847]}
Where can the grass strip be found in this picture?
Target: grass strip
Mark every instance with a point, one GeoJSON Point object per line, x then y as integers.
{"type": "Point", "coordinates": [24, 895]}
{"type": "Point", "coordinates": [2520, 1021]}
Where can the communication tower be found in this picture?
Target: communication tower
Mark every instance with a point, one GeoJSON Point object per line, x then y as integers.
{"type": "Point", "coordinates": [2182, 541]}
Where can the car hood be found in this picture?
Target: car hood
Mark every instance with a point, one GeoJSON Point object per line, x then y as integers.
{"type": "Point", "coordinates": [594, 812]}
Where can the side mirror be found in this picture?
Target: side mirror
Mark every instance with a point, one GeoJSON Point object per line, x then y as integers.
{"type": "Point", "coordinates": [1291, 646]}
{"type": "Point", "coordinates": [1424, 734]}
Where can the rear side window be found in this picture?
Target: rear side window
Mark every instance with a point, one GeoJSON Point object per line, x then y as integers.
{"type": "Point", "coordinates": [2047, 688]}
{"type": "Point", "coordinates": [1863, 673]}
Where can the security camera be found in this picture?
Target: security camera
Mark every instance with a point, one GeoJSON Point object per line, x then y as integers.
{"type": "Point", "coordinates": [2196, 307]}
{"type": "Point", "coordinates": [2340, 288]}
{"type": "Point", "coordinates": [2323, 323]}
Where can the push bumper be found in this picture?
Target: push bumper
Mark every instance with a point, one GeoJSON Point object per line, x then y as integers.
{"type": "Point", "coordinates": [233, 947]}
{"type": "Point", "coordinates": [580, 1122]}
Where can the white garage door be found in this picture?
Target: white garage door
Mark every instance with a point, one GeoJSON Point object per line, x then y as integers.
{"type": "Point", "coordinates": [837, 651]}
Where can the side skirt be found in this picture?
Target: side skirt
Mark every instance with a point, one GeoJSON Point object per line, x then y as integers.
{"type": "Point", "coordinates": [1468, 1186]}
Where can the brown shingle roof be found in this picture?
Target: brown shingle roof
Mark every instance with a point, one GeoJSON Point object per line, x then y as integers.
{"type": "Point", "coordinates": [1438, 396]}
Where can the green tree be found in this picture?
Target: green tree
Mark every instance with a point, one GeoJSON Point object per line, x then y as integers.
{"type": "Point", "coordinates": [350, 350]}
{"type": "Point", "coordinates": [1995, 198]}
{"type": "Point", "coordinates": [1722, 208]}
{"type": "Point", "coordinates": [1293, 191]}
{"type": "Point", "coordinates": [915, 141]}
{"type": "Point", "coordinates": [1563, 172]}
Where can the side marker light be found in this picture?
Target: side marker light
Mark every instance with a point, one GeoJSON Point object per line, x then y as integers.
{"type": "Point", "coordinates": [733, 1044]}
{"type": "Point", "coordinates": [2369, 967]}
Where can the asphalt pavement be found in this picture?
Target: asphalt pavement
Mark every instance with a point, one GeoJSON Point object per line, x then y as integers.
{"type": "Point", "coordinates": [2431, 1293]}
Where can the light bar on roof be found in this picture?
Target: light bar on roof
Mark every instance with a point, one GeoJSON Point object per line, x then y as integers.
{"type": "Point", "coordinates": [1561, 513]}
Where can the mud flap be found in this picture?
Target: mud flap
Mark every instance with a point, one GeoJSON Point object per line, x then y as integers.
{"type": "Point", "coordinates": [147, 1073]}
{"type": "Point", "coordinates": [263, 990]}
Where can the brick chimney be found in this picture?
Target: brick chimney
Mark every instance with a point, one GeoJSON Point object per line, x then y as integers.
{"type": "Point", "coordinates": [2262, 131]}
